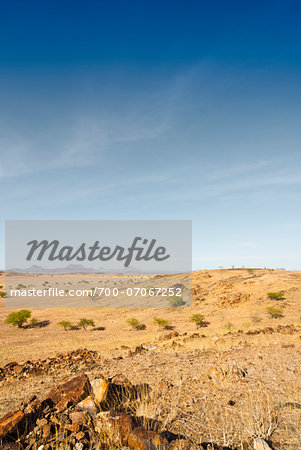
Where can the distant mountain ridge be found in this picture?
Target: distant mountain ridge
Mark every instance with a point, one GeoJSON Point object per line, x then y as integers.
{"type": "Point", "coordinates": [71, 268]}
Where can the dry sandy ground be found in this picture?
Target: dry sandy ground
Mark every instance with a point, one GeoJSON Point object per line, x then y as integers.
{"type": "Point", "coordinates": [226, 385]}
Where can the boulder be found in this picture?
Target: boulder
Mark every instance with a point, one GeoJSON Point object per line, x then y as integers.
{"type": "Point", "coordinates": [100, 387]}
{"type": "Point", "coordinates": [70, 392]}
{"type": "Point", "coordinates": [87, 405]}
{"type": "Point", "coordinates": [79, 418]}
{"type": "Point", "coordinates": [47, 428]}
{"type": "Point", "coordinates": [9, 422]}
{"type": "Point", "coordinates": [141, 439]}
{"type": "Point", "coordinates": [115, 427]}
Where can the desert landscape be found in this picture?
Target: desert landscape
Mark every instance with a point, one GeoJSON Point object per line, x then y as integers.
{"type": "Point", "coordinates": [224, 373]}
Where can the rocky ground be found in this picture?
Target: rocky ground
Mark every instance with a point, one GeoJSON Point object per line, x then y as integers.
{"type": "Point", "coordinates": [234, 383]}
{"type": "Point", "coordinates": [213, 396]}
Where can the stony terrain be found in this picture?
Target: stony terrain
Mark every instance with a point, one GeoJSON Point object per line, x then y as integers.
{"type": "Point", "coordinates": [230, 382]}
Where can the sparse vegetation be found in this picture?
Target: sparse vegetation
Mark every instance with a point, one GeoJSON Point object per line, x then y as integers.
{"type": "Point", "coordinates": [229, 326]}
{"type": "Point", "coordinates": [163, 324]}
{"type": "Point", "coordinates": [19, 318]}
{"type": "Point", "coordinates": [218, 387]}
{"type": "Point", "coordinates": [255, 318]}
{"type": "Point", "coordinates": [198, 319]}
{"type": "Point", "coordinates": [275, 295]}
{"type": "Point", "coordinates": [2, 294]}
{"type": "Point", "coordinates": [65, 324]}
{"type": "Point", "coordinates": [175, 301]}
{"type": "Point", "coordinates": [275, 313]}
{"type": "Point", "coordinates": [135, 324]}
{"type": "Point", "coordinates": [33, 323]}
{"type": "Point", "coordinates": [85, 323]}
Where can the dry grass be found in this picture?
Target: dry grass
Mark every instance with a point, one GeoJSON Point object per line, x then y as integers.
{"type": "Point", "coordinates": [204, 375]}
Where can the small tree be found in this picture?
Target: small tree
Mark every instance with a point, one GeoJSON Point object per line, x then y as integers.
{"type": "Point", "coordinates": [163, 324]}
{"type": "Point", "coordinates": [65, 324]}
{"type": "Point", "coordinates": [135, 324]}
{"type": "Point", "coordinates": [276, 295]}
{"type": "Point", "coordinates": [175, 301]}
{"type": "Point", "coordinates": [85, 323]}
{"type": "Point", "coordinates": [198, 319]}
{"type": "Point", "coordinates": [17, 319]}
{"type": "Point", "coordinates": [275, 313]}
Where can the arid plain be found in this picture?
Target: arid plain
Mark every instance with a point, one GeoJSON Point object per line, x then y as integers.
{"type": "Point", "coordinates": [235, 378]}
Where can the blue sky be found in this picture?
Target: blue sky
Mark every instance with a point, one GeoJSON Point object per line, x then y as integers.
{"type": "Point", "coordinates": [157, 110]}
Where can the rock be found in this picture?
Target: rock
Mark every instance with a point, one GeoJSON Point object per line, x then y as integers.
{"type": "Point", "coordinates": [80, 435]}
{"type": "Point", "coordinates": [138, 350]}
{"type": "Point", "coordinates": [213, 373]}
{"type": "Point", "coordinates": [70, 392]}
{"type": "Point", "coordinates": [9, 422]}
{"type": "Point", "coordinates": [79, 446]}
{"type": "Point", "coordinates": [194, 336]}
{"type": "Point", "coordinates": [260, 444]}
{"type": "Point", "coordinates": [180, 444]}
{"type": "Point", "coordinates": [78, 417]}
{"type": "Point", "coordinates": [73, 428]}
{"type": "Point", "coordinates": [170, 335]}
{"type": "Point", "coordinates": [162, 387]}
{"type": "Point", "coordinates": [141, 439]}
{"type": "Point", "coordinates": [33, 410]}
{"type": "Point", "coordinates": [121, 380]}
{"type": "Point", "coordinates": [17, 369]}
{"type": "Point", "coordinates": [100, 387]}
{"type": "Point", "coordinates": [114, 426]}
{"type": "Point", "coordinates": [159, 441]}
{"type": "Point", "coordinates": [87, 405]}
{"type": "Point", "coordinates": [41, 422]}
{"type": "Point", "coordinates": [109, 394]}
{"type": "Point", "coordinates": [73, 360]}
{"type": "Point", "coordinates": [11, 446]}
{"type": "Point", "coordinates": [46, 431]}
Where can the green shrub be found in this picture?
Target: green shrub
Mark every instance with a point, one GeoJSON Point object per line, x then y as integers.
{"type": "Point", "coordinates": [2, 294]}
{"type": "Point", "coordinates": [275, 313]}
{"type": "Point", "coordinates": [33, 322]}
{"type": "Point", "coordinates": [175, 301]}
{"type": "Point", "coordinates": [276, 295]}
{"type": "Point", "coordinates": [85, 323]}
{"type": "Point", "coordinates": [135, 324]}
{"type": "Point", "coordinates": [198, 319]}
{"type": "Point", "coordinates": [65, 324]}
{"type": "Point", "coordinates": [17, 319]}
{"type": "Point", "coordinates": [163, 324]}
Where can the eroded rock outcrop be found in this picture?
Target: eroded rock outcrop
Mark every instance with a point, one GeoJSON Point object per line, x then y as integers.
{"type": "Point", "coordinates": [80, 414]}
